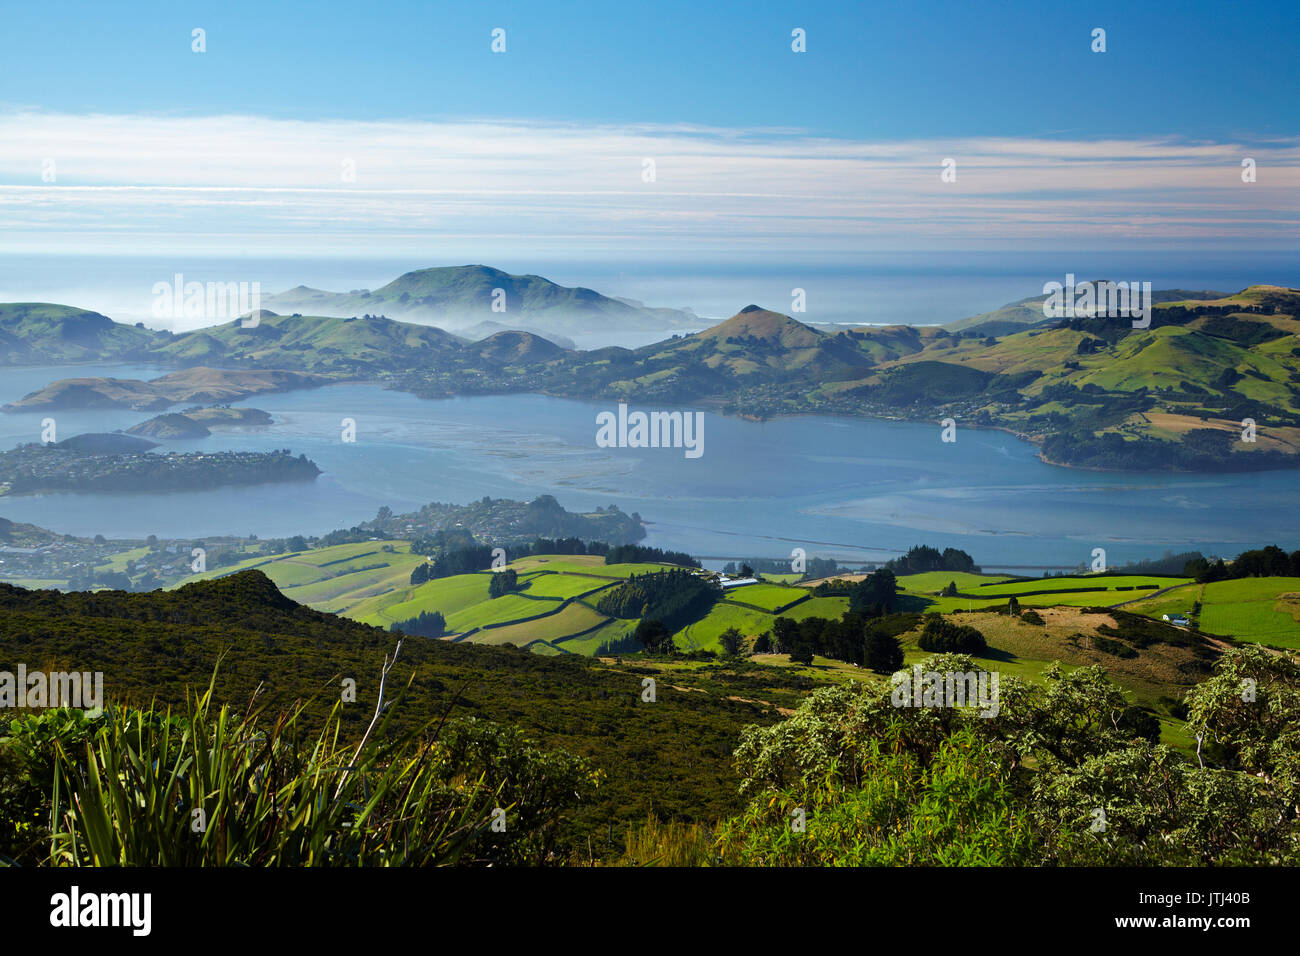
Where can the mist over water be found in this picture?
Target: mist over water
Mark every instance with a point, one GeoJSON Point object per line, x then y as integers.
{"type": "Point", "coordinates": [881, 288]}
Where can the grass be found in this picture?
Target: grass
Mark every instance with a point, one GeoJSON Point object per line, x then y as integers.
{"type": "Point", "coordinates": [119, 561]}
{"type": "Point", "coordinates": [1070, 636]}
{"type": "Point", "coordinates": [827, 607]}
{"type": "Point", "coordinates": [1253, 609]}
{"type": "Point", "coordinates": [463, 599]}
{"type": "Point", "coordinates": [703, 634]}
{"type": "Point", "coordinates": [769, 597]}
{"type": "Point", "coordinates": [932, 582]}
{"type": "Point", "coordinates": [39, 584]}
{"type": "Point", "coordinates": [563, 585]}
{"type": "Point", "coordinates": [589, 644]}
{"type": "Point", "coordinates": [335, 579]}
{"type": "Point", "coordinates": [574, 619]}
{"type": "Point", "coordinates": [447, 595]}
{"type": "Point", "coordinates": [1103, 590]}
{"type": "Point", "coordinates": [249, 790]}
{"type": "Point", "coordinates": [1099, 582]}
{"type": "Point", "coordinates": [584, 564]}
{"type": "Point", "coordinates": [508, 607]}
{"type": "Point", "coordinates": [1247, 609]}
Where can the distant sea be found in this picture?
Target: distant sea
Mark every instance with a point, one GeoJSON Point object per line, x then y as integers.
{"type": "Point", "coordinates": [883, 288]}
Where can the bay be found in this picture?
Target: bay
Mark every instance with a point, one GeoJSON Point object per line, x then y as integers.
{"type": "Point", "coordinates": [851, 489]}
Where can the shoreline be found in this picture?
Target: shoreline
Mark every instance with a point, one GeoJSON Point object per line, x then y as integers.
{"type": "Point", "coordinates": [713, 404]}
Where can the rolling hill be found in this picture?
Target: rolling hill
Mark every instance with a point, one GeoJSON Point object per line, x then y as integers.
{"type": "Point", "coordinates": [1029, 311]}
{"type": "Point", "coordinates": [192, 386]}
{"type": "Point", "coordinates": [458, 296]}
{"type": "Point", "coordinates": [674, 757]}
{"type": "Point", "coordinates": [1093, 391]}
{"type": "Point", "coordinates": [349, 346]}
{"type": "Point", "coordinates": [40, 333]}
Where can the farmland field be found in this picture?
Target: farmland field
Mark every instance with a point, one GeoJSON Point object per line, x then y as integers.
{"type": "Point", "coordinates": [563, 585]}
{"type": "Point", "coordinates": [1247, 609]}
{"type": "Point", "coordinates": [334, 579]}
{"type": "Point", "coordinates": [1253, 609]}
{"type": "Point", "coordinates": [769, 597]}
{"type": "Point", "coordinates": [704, 633]}
{"type": "Point", "coordinates": [574, 619]}
{"type": "Point", "coordinates": [932, 582]}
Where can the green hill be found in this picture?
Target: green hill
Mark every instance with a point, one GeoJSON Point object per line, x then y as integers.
{"type": "Point", "coordinates": [314, 343]}
{"type": "Point", "coordinates": [672, 757]}
{"type": "Point", "coordinates": [39, 333]}
{"type": "Point", "coordinates": [1029, 311]}
{"type": "Point", "coordinates": [463, 295]}
{"type": "Point", "coordinates": [1093, 391]}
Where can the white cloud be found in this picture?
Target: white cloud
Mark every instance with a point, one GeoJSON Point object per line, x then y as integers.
{"type": "Point", "coordinates": [264, 181]}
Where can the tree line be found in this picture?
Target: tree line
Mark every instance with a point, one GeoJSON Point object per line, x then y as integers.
{"type": "Point", "coordinates": [1266, 562]}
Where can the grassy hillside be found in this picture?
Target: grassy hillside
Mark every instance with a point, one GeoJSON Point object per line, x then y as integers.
{"type": "Point", "coordinates": [369, 582]}
{"type": "Point", "coordinates": [555, 609]}
{"type": "Point", "coordinates": [313, 343]}
{"type": "Point", "coordinates": [671, 757]}
{"type": "Point", "coordinates": [1263, 610]}
{"type": "Point", "coordinates": [1029, 311]}
{"type": "Point", "coordinates": [40, 333]}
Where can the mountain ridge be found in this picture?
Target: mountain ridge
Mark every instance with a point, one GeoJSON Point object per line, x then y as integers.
{"type": "Point", "coordinates": [460, 296]}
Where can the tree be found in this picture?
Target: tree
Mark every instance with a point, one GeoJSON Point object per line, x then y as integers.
{"type": "Point", "coordinates": [763, 645]}
{"type": "Point", "coordinates": [878, 591]}
{"type": "Point", "coordinates": [746, 571]}
{"type": "Point", "coordinates": [297, 543]}
{"type": "Point", "coordinates": [503, 582]}
{"type": "Point", "coordinates": [656, 638]}
{"type": "Point", "coordinates": [950, 590]}
{"type": "Point", "coordinates": [801, 653]}
{"type": "Point", "coordinates": [731, 640]}
{"type": "Point", "coordinates": [941, 634]}
{"type": "Point", "coordinates": [785, 632]}
{"type": "Point", "coordinates": [424, 624]}
{"type": "Point", "coordinates": [884, 654]}
{"type": "Point", "coordinates": [1013, 606]}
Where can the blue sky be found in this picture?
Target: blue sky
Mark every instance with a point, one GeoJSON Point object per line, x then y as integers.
{"type": "Point", "coordinates": [393, 126]}
{"type": "Point", "coordinates": [876, 70]}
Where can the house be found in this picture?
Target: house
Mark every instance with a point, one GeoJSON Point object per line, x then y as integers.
{"type": "Point", "coordinates": [1177, 620]}
{"type": "Point", "coordinates": [728, 583]}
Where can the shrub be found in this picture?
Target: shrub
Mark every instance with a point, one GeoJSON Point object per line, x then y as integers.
{"type": "Point", "coordinates": [943, 636]}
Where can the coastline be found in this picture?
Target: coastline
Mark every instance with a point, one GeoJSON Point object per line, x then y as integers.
{"type": "Point", "coordinates": [714, 404]}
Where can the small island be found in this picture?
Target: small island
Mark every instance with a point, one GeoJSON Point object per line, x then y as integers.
{"type": "Point", "coordinates": [198, 421]}
{"type": "Point", "coordinates": [118, 463]}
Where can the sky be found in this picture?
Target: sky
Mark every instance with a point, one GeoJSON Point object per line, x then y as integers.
{"type": "Point", "coordinates": [646, 129]}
